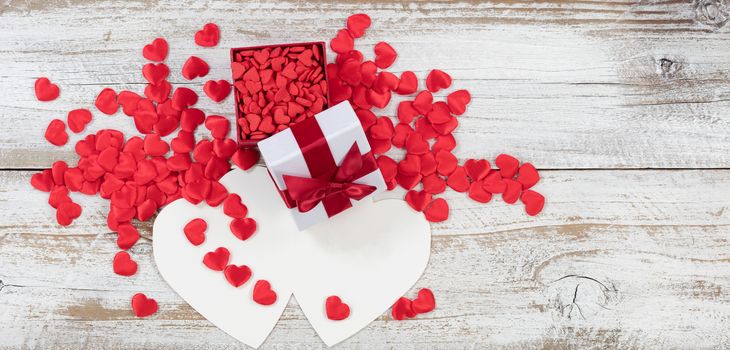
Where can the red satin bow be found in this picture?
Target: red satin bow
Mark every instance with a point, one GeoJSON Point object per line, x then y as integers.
{"type": "Point", "coordinates": [336, 192]}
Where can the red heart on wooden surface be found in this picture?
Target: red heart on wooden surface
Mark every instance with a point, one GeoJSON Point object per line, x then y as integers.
{"type": "Point", "coordinates": [155, 72]}
{"type": "Point", "coordinates": [437, 211]}
{"type": "Point", "coordinates": [77, 119]}
{"type": "Point", "coordinates": [106, 101]}
{"type": "Point", "coordinates": [407, 84]}
{"type": "Point", "coordinates": [124, 265]}
{"type": "Point", "coordinates": [336, 309]}
{"type": "Point", "coordinates": [357, 24]}
{"type": "Point", "coordinates": [437, 80]}
{"type": "Point", "coordinates": [528, 176]}
{"type": "Point", "coordinates": [425, 302]}
{"type": "Point", "coordinates": [458, 100]}
{"type": "Point", "coordinates": [423, 102]}
{"type": "Point", "coordinates": [478, 193]}
{"type": "Point", "coordinates": [457, 180]}
{"type": "Point", "coordinates": [143, 306]}
{"type": "Point", "coordinates": [195, 67]}
{"type": "Point", "coordinates": [67, 212]}
{"type": "Point", "coordinates": [342, 42]}
{"type": "Point", "coordinates": [534, 202]}
{"type": "Point", "coordinates": [385, 55]}
{"type": "Point", "coordinates": [183, 98]}
{"type": "Point", "coordinates": [208, 36]}
{"type": "Point", "coordinates": [402, 309]}
{"type": "Point", "coordinates": [477, 169]}
{"type": "Point", "coordinates": [507, 165]}
{"type": "Point", "coordinates": [45, 90]}
{"type": "Point", "coordinates": [217, 90]}
{"type": "Point", "coordinates": [56, 133]}
{"type": "Point", "coordinates": [156, 51]}
{"type": "Point", "coordinates": [218, 126]}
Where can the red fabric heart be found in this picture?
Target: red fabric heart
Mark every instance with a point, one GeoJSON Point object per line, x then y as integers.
{"type": "Point", "coordinates": [190, 118]}
{"type": "Point", "coordinates": [42, 181]}
{"type": "Point", "coordinates": [106, 101]}
{"type": "Point", "coordinates": [400, 134]}
{"type": "Point", "coordinates": [415, 144]}
{"type": "Point", "coordinates": [458, 100]}
{"type": "Point", "coordinates": [195, 231]}
{"type": "Point", "coordinates": [477, 169]}
{"type": "Point", "coordinates": [158, 93]}
{"type": "Point", "coordinates": [67, 212]}
{"type": "Point", "coordinates": [447, 127]}
{"type": "Point", "coordinates": [342, 42]}
{"type": "Point", "coordinates": [437, 80]}
{"type": "Point", "coordinates": [406, 112]}
{"type": "Point", "coordinates": [378, 99]}
{"type": "Point", "coordinates": [446, 162]}
{"type": "Point", "coordinates": [458, 181]}
{"type": "Point", "coordinates": [385, 55]}
{"type": "Point", "coordinates": [183, 98]}
{"type": "Point", "coordinates": [108, 159]}
{"type": "Point", "coordinates": [439, 113]}
{"type": "Point", "coordinates": [127, 236]}
{"type": "Point", "coordinates": [437, 211]}
{"type": "Point", "coordinates": [444, 142]}
{"type": "Point", "coordinates": [477, 192]}
{"type": "Point", "coordinates": [336, 309]}
{"type": "Point", "coordinates": [56, 133]}
{"type": "Point", "coordinates": [402, 309]}
{"type": "Point", "coordinates": [195, 67]}
{"type": "Point", "coordinates": [357, 24]}
{"type": "Point", "coordinates": [154, 146]}
{"type": "Point", "coordinates": [407, 84]}
{"type": "Point", "coordinates": [534, 202]}
{"type": "Point", "coordinates": [507, 165]}
{"type": "Point", "coordinates": [428, 164]}
{"type": "Point", "coordinates": [418, 199]}
{"type": "Point", "coordinates": [58, 168]}
{"type": "Point", "coordinates": [155, 73]}
{"type": "Point", "coordinates": [512, 191]}
{"type": "Point", "coordinates": [77, 119]}
{"type": "Point", "coordinates": [246, 158]}
{"type": "Point", "coordinates": [218, 193]}
{"type": "Point", "coordinates": [146, 209]}
{"type": "Point", "coordinates": [494, 183]}
{"type": "Point", "coordinates": [234, 208]}
{"type": "Point", "coordinates": [423, 102]}
{"type": "Point", "coordinates": [156, 51]}
{"type": "Point", "coordinates": [143, 306]}
{"type": "Point", "coordinates": [217, 260]}
{"type": "Point", "coordinates": [208, 36]}
{"type": "Point", "coordinates": [368, 73]}
{"type": "Point", "coordinates": [434, 184]}
{"type": "Point", "coordinates": [386, 81]}
{"type": "Point", "coordinates": [263, 294]}
{"type": "Point", "coordinates": [128, 100]}
{"type": "Point", "coordinates": [528, 175]}
{"type": "Point", "coordinates": [224, 148]}
{"type": "Point", "coordinates": [217, 90]}
{"type": "Point", "coordinates": [388, 167]}
{"type": "Point", "coordinates": [237, 275]}
{"type": "Point", "coordinates": [218, 126]}
{"type": "Point", "coordinates": [59, 194]}
{"type": "Point", "coordinates": [408, 182]}
{"type": "Point", "coordinates": [243, 228]}
{"type": "Point", "coordinates": [382, 130]}
{"type": "Point", "coordinates": [216, 168]}
{"type": "Point", "coordinates": [425, 302]}
{"type": "Point", "coordinates": [123, 264]}
{"type": "Point", "coordinates": [45, 90]}
{"type": "Point", "coordinates": [166, 125]}
{"type": "Point", "coordinates": [349, 72]}
{"type": "Point", "coordinates": [183, 143]}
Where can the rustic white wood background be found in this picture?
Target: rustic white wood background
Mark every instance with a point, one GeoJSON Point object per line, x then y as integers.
{"type": "Point", "coordinates": [624, 106]}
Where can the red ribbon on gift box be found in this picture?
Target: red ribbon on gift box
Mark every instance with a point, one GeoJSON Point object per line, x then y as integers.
{"type": "Point", "coordinates": [333, 186]}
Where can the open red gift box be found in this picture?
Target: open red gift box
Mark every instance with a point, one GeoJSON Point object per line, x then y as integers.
{"type": "Point", "coordinates": [276, 86]}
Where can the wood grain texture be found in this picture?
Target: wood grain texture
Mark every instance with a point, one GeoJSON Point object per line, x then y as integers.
{"type": "Point", "coordinates": [586, 84]}
{"type": "Point", "coordinates": [635, 259]}
{"type": "Point", "coordinates": [618, 259]}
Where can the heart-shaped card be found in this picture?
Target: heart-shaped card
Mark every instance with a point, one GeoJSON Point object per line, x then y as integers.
{"type": "Point", "coordinates": [368, 256]}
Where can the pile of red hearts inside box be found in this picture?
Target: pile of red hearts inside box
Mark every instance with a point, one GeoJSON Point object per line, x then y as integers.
{"type": "Point", "coordinates": [275, 87]}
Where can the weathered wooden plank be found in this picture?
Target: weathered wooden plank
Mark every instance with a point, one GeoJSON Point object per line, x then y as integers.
{"type": "Point", "coordinates": [621, 259]}
{"type": "Point", "coordinates": [586, 84]}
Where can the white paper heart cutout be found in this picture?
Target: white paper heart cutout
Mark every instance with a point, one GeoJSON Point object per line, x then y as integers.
{"type": "Point", "coordinates": [369, 256]}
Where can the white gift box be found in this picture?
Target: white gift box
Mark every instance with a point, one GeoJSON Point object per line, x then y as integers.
{"type": "Point", "coordinates": [316, 148]}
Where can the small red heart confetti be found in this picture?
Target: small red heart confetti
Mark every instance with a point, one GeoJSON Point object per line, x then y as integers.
{"type": "Point", "coordinates": [494, 183]}
{"type": "Point", "coordinates": [128, 100]}
{"type": "Point", "coordinates": [246, 158]}
{"type": "Point", "coordinates": [357, 24]}
{"type": "Point", "coordinates": [56, 133]}
{"type": "Point", "coordinates": [408, 182]}
{"type": "Point", "coordinates": [385, 55]}
{"type": "Point", "coordinates": [158, 93]}
{"type": "Point", "coordinates": [208, 36]}
{"type": "Point", "coordinates": [458, 100]}
{"type": "Point", "coordinates": [336, 310]}
{"type": "Point", "coordinates": [446, 162]}
{"type": "Point", "coordinates": [154, 146]}
{"type": "Point", "coordinates": [127, 236]}
{"type": "Point", "coordinates": [217, 90]}
{"type": "Point", "coordinates": [437, 211]}
{"type": "Point", "coordinates": [457, 180]}
{"type": "Point", "coordinates": [234, 208]}
{"type": "Point", "coordinates": [123, 264]}
{"type": "Point", "coordinates": [67, 212]}
{"type": "Point", "coordinates": [42, 181]}
{"type": "Point", "coordinates": [418, 200]}
{"type": "Point", "coordinates": [263, 294]}
{"type": "Point", "coordinates": [423, 102]}
{"type": "Point", "coordinates": [106, 101]}
{"type": "Point", "coordinates": [434, 184]}
{"type": "Point", "coordinates": [45, 90]}
{"type": "Point", "coordinates": [143, 306]}
{"type": "Point", "coordinates": [155, 73]}
{"type": "Point", "coordinates": [477, 192]}
{"type": "Point", "coordinates": [425, 302]}
{"type": "Point", "coordinates": [437, 80]}
{"type": "Point", "coordinates": [218, 126]}
{"type": "Point", "coordinates": [507, 165]}
{"type": "Point", "coordinates": [444, 142]}
{"type": "Point", "coordinates": [243, 228]}
{"type": "Point", "coordinates": [534, 202]}
{"type": "Point", "coordinates": [343, 42]}
{"type": "Point", "coordinates": [512, 191]}
{"type": "Point", "coordinates": [407, 84]}
{"type": "Point", "coordinates": [237, 275]}
{"type": "Point", "coordinates": [402, 309]}
{"type": "Point", "coordinates": [195, 67]}
{"type": "Point", "coordinates": [156, 51]}
{"type": "Point", "coordinates": [195, 231]}
{"type": "Point", "coordinates": [217, 260]}
{"type": "Point", "coordinates": [477, 169]}
{"type": "Point", "coordinates": [528, 176]}
{"type": "Point", "coordinates": [77, 119]}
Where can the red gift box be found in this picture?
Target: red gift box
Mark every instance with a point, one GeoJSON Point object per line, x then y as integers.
{"type": "Point", "coordinates": [276, 86]}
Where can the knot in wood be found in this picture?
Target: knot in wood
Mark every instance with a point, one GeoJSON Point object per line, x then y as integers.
{"type": "Point", "coordinates": [714, 13]}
